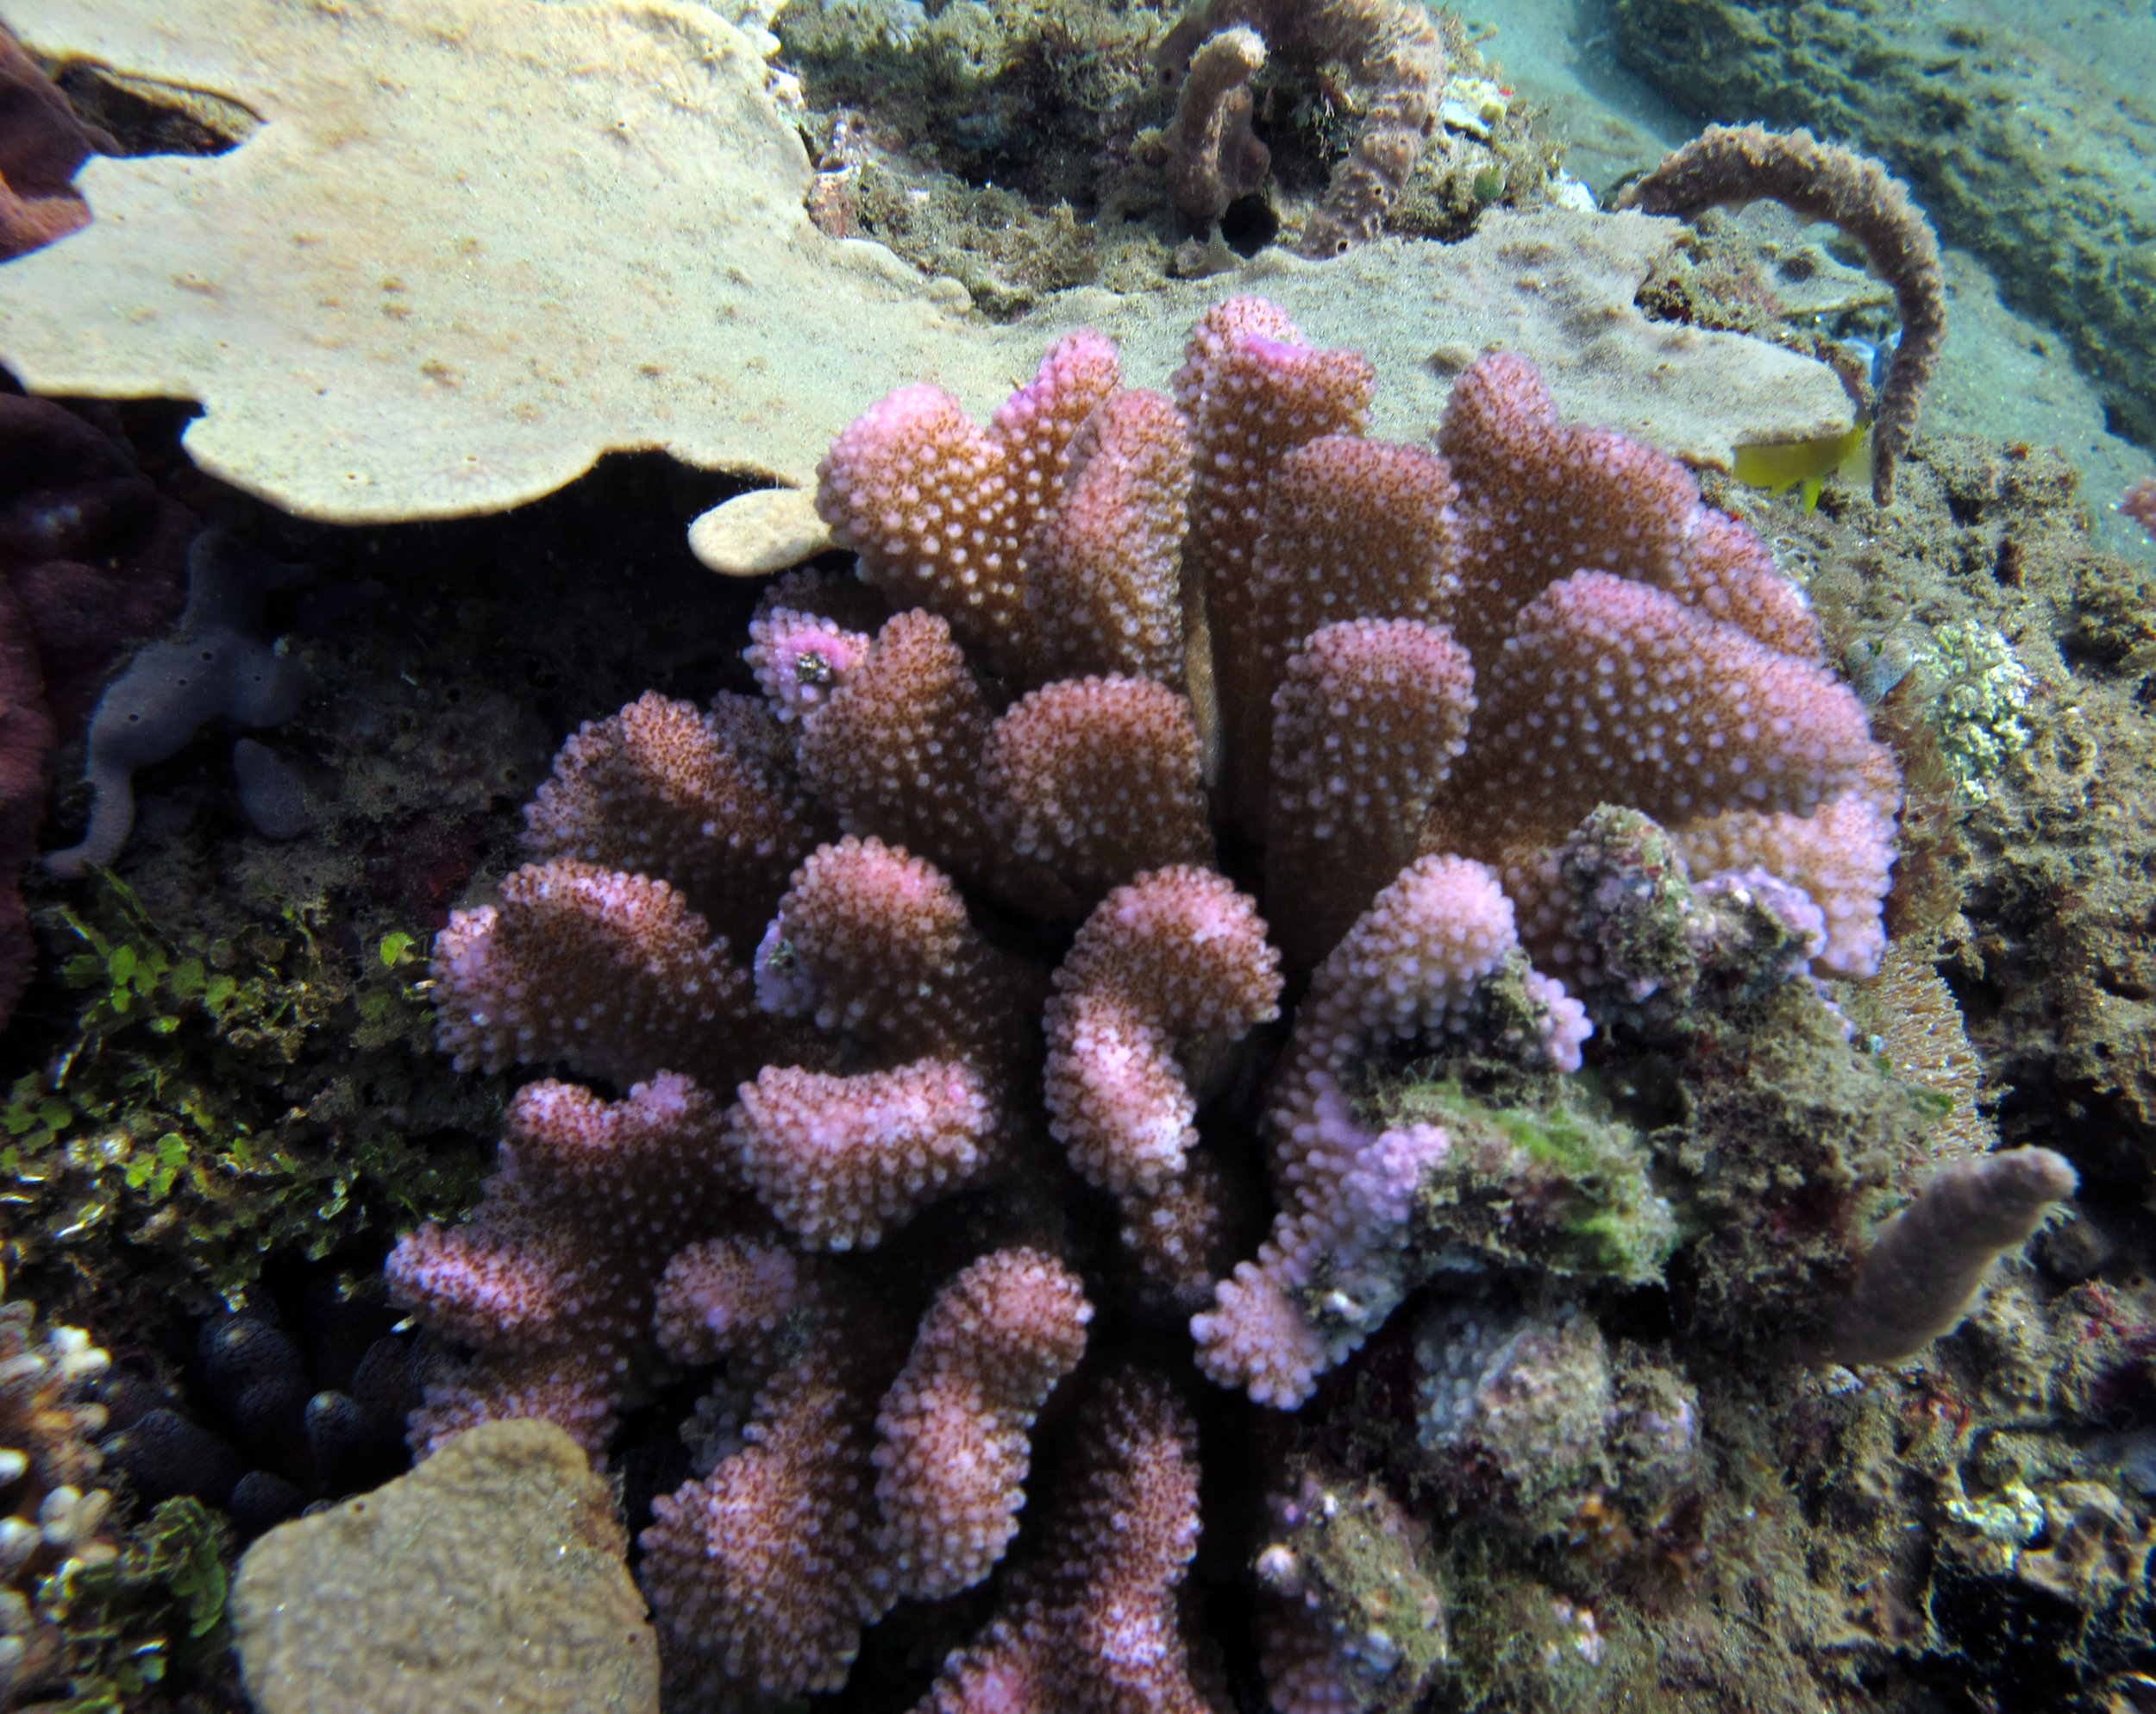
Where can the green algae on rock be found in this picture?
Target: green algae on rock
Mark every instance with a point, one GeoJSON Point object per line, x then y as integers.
{"type": "Point", "coordinates": [228, 1099]}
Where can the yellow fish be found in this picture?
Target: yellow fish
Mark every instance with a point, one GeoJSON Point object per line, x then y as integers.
{"type": "Point", "coordinates": [1778, 466]}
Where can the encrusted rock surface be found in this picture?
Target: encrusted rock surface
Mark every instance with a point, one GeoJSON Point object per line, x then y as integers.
{"type": "Point", "coordinates": [489, 1579]}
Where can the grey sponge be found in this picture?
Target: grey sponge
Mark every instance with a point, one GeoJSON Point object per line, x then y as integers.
{"type": "Point", "coordinates": [217, 665]}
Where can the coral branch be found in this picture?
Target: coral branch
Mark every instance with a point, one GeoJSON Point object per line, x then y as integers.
{"type": "Point", "coordinates": [1928, 1260]}
{"type": "Point", "coordinates": [1213, 157]}
{"type": "Point", "coordinates": [878, 943]}
{"type": "Point", "coordinates": [553, 1277]}
{"type": "Point", "coordinates": [837, 1159]}
{"type": "Point", "coordinates": [1102, 586]}
{"type": "Point", "coordinates": [759, 1574]}
{"type": "Point", "coordinates": [1094, 1629]}
{"type": "Point", "coordinates": [704, 802]}
{"type": "Point", "coordinates": [1252, 392]}
{"type": "Point", "coordinates": [1541, 500]}
{"type": "Point", "coordinates": [939, 510]}
{"type": "Point", "coordinates": [1097, 779]}
{"type": "Point", "coordinates": [1354, 529]}
{"type": "Point", "coordinates": [1367, 724]}
{"type": "Point", "coordinates": [954, 1426]}
{"type": "Point", "coordinates": [610, 973]}
{"type": "Point", "coordinates": [1176, 956]}
{"type": "Point", "coordinates": [1408, 967]}
{"type": "Point", "coordinates": [1727, 164]}
{"type": "Point", "coordinates": [1390, 51]}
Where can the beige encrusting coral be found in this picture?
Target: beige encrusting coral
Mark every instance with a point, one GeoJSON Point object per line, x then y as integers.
{"type": "Point", "coordinates": [1738, 164]}
{"type": "Point", "coordinates": [491, 1578]}
{"type": "Point", "coordinates": [443, 277]}
{"type": "Point", "coordinates": [457, 341]}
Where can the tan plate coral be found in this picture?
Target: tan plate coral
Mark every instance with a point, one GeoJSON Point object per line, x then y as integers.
{"type": "Point", "coordinates": [471, 247]}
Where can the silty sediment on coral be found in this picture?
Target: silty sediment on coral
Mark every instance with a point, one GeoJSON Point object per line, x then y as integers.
{"type": "Point", "coordinates": [879, 981]}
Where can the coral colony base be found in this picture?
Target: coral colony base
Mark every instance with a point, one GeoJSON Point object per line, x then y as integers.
{"type": "Point", "coordinates": [1202, 804]}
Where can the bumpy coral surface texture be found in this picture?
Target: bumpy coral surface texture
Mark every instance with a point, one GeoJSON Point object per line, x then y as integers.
{"type": "Point", "coordinates": [972, 1011]}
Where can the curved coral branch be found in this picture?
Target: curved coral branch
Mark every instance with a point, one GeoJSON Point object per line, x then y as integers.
{"type": "Point", "coordinates": [610, 973]}
{"type": "Point", "coordinates": [1407, 968]}
{"type": "Point", "coordinates": [1736, 164]}
{"type": "Point", "coordinates": [1093, 1628]}
{"type": "Point", "coordinates": [552, 1278]}
{"type": "Point", "coordinates": [706, 802]}
{"type": "Point", "coordinates": [953, 1429]}
{"type": "Point", "coordinates": [1929, 1260]}
{"type": "Point", "coordinates": [1174, 957]}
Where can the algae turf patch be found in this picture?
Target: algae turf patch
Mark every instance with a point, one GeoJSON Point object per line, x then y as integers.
{"type": "Point", "coordinates": [147, 1620]}
{"type": "Point", "coordinates": [225, 1100]}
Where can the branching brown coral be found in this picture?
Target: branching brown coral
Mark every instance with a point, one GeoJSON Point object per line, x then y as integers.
{"type": "Point", "coordinates": [1730, 165]}
{"type": "Point", "coordinates": [1392, 53]}
{"type": "Point", "coordinates": [1919, 1279]}
{"type": "Point", "coordinates": [1213, 156]}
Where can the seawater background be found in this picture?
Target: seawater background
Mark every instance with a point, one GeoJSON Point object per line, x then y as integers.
{"type": "Point", "coordinates": [2003, 375]}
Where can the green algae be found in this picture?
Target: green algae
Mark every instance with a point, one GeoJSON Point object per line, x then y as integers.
{"type": "Point", "coordinates": [226, 1099]}
{"type": "Point", "coordinates": [155, 1609]}
{"type": "Point", "coordinates": [1545, 1183]}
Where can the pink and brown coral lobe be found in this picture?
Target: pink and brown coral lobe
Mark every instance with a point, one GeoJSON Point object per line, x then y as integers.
{"type": "Point", "coordinates": [1143, 664]}
{"type": "Point", "coordinates": [2139, 503]}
